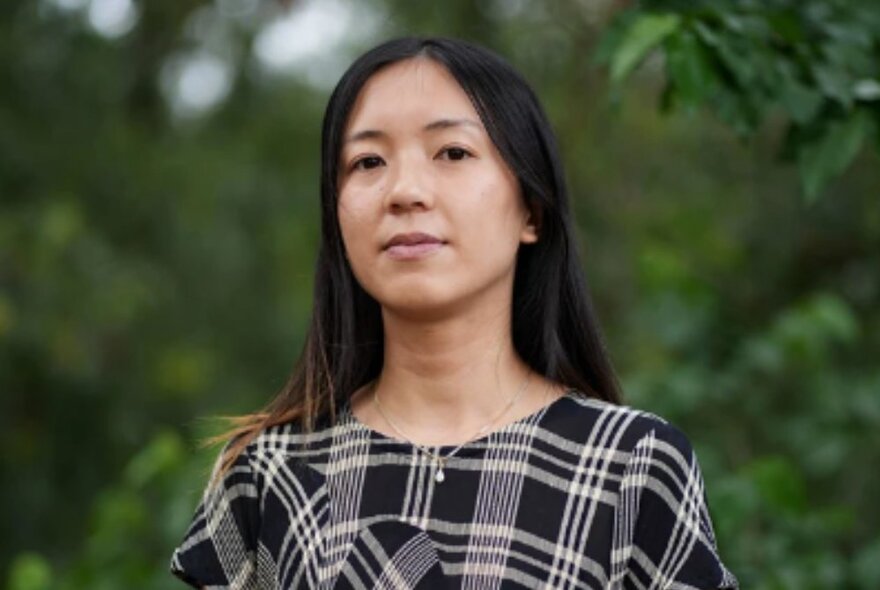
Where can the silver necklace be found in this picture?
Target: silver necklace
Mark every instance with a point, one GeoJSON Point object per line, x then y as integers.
{"type": "Point", "coordinates": [439, 460]}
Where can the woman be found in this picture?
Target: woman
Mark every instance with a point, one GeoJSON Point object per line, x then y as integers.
{"type": "Point", "coordinates": [454, 420]}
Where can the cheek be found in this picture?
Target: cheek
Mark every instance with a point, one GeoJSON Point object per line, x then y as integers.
{"type": "Point", "coordinates": [358, 221]}
{"type": "Point", "coordinates": [495, 215]}
{"type": "Point", "coordinates": [351, 209]}
{"type": "Point", "coordinates": [355, 217]}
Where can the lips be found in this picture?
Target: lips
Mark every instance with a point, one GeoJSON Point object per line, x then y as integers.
{"type": "Point", "coordinates": [413, 246]}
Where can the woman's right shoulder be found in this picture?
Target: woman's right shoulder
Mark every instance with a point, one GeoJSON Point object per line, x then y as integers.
{"type": "Point", "coordinates": [289, 440]}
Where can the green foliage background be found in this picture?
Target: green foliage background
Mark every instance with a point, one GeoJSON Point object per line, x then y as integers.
{"type": "Point", "coordinates": [156, 263]}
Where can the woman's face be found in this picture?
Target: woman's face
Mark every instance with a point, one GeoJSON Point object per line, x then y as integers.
{"type": "Point", "coordinates": [417, 159]}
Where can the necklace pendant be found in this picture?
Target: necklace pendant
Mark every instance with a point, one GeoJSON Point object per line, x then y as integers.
{"type": "Point", "coordinates": [439, 477]}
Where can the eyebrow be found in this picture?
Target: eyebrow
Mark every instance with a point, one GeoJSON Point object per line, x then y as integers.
{"type": "Point", "coordinates": [432, 126]}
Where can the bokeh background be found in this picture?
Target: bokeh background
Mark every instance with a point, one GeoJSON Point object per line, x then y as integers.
{"type": "Point", "coordinates": [159, 225]}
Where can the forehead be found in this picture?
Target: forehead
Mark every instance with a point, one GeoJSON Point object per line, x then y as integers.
{"type": "Point", "coordinates": [415, 89]}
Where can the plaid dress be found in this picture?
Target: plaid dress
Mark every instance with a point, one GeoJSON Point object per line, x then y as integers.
{"type": "Point", "coordinates": [580, 494]}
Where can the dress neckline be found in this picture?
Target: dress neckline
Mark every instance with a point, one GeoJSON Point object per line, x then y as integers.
{"type": "Point", "coordinates": [349, 418]}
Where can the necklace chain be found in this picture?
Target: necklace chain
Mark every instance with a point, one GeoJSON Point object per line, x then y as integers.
{"type": "Point", "coordinates": [439, 477]}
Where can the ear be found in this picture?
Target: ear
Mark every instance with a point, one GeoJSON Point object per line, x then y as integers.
{"type": "Point", "coordinates": [530, 232]}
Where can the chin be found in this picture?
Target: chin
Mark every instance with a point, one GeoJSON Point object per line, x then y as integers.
{"type": "Point", "coordinates": [417, 303]}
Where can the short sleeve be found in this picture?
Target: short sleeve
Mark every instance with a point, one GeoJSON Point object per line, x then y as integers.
{"type": "Point", "coordinates": [665, 531]}
{"type": "Point", "coordinates": [219, 548]}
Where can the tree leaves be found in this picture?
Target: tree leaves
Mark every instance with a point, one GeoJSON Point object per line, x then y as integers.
{"type": "Point", "coordinates": [690, 69]}
{"type": "Point", "coordinates": [801, 101]}
{"type": "Point", "coordinates": [831, 153]}
{"type": "Point", "coordinates": [643, 35]}
{"type": "Point", "coordinates": [816, 62]}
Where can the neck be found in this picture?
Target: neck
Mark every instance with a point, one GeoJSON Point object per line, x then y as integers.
{"type": "Point", "coordinates": [449, 378]}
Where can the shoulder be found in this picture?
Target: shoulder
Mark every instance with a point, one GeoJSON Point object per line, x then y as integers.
{"type": "Point", "coordinates": [621, 427]}
{"type": "Point", "coordinates": [290, 446]}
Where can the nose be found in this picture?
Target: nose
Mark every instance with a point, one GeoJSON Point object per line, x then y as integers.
{"type": "Point", "coordinates": [410, 185]}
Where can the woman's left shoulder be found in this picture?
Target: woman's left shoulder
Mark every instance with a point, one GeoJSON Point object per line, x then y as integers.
{"type": "Point", "coordinates": [661, 497]}
{"type": "Point", "coordinates": [621, 426]}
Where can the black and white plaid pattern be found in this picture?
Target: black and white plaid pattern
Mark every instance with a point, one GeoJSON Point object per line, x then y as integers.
{"type": "Point", "coordinates": [581, 494]}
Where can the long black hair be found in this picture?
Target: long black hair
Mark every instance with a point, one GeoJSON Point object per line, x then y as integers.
{"type": "Point", "coordinates": [554, 328]}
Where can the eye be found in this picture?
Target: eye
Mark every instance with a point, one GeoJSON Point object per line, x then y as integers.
{"type": "Point", "coordinates": [367, 163]}
{"type": "Point", "coordinates": [455, 153]}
